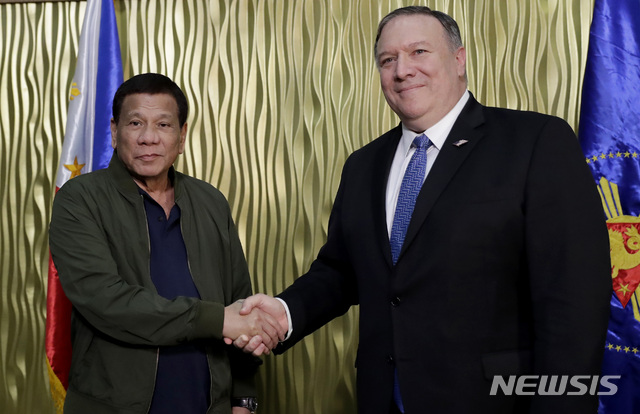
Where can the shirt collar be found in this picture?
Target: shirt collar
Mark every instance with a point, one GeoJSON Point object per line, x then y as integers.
{"type": "Point", "coordinates": [439, 131]}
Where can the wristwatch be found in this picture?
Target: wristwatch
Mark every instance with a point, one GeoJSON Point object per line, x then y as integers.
{"type": "Point", "coordinates": [250, 403]}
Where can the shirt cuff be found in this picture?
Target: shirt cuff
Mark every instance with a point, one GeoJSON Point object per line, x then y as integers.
{"type": "Point", "coordinates": [286, 309]}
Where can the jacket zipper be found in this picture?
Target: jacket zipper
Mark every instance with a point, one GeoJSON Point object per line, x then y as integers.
{"type": "Point", "coordinates": [198, 289]}
{"type": "Point", "coordinates": [146, 222]}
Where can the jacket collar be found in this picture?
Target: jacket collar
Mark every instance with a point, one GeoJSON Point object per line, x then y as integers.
{"type": "Point", "coordinates": [382, 163]}
{"type": "Point", "coordinates": [450, 158]}
{"type": "Point", "coordinates": [124, 181]}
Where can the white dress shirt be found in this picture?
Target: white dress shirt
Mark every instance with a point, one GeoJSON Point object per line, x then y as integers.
{"type": "Point", "coordinates": [437, 134]}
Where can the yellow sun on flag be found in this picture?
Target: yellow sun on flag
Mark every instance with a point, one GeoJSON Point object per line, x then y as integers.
{"type": "Point", "coordinates": [74, 91]}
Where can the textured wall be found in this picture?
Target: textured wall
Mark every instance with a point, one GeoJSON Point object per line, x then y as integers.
{"type": "Point", "coordinates": [281, 92]}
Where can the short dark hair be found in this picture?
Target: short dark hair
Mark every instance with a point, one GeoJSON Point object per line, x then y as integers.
{"type": "Point", "coordinates": [151, 83]}
{"type": "Point", "coordinates": [450, 26]}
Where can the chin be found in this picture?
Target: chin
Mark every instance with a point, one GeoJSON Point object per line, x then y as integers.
{"type": "Point", "coordinates": [411, 117]}
{"type": "Point", "coordinates": [147, 172]}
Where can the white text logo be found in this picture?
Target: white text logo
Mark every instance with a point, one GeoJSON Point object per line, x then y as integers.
{"type": "Point", "coordinates": [554, 385]}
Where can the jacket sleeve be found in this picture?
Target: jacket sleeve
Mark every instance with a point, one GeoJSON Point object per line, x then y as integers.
{"type": "Point", "coordinates": [569, 266]}
{"type": "Point", "coordinates": [131, 313]}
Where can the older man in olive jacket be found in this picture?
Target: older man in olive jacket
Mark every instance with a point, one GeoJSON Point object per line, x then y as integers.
{"type": "Point", "coordinates": [151, 261]}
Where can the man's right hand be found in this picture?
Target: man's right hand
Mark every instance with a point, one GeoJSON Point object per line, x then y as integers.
{"type": "Point", "coordinates": [252, 322]}
{"type": "Point", "coordinates": [256, 344]}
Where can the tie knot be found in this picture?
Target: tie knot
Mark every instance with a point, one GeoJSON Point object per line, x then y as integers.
{"type": "Point", "coordinates": [421, 141]}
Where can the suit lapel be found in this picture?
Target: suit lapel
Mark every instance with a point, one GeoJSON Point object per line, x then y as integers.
{"type": "Point", "coordinates": [448, 162]}
{"type": "Point", "coordinates": [381, 168]}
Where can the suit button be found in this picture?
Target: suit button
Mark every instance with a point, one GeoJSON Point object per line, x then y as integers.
{"type": "Point", "coordinates": [395, 302]}
{"type": "Point", "coordinates": [389, 359]}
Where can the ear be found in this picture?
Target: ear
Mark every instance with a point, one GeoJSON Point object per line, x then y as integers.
{"type": "Point", "coordinates": [183, 138]}
{"type": "Point", "coordinates": [461, 61]}
{"type": "Point", "coordinates": [114, 134]}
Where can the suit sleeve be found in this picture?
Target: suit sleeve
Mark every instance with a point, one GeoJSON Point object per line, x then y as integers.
{"type": "Point", "coordinates": [569, 267]}
{"type": "Point", "coordinates": [329, 288]}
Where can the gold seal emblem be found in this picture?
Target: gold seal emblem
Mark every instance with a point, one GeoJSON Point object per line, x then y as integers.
{"type": "Point", "coordinates": [624, 241]}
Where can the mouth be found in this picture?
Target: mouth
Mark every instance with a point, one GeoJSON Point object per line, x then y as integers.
{"type": "Point", "coordinates": [408, 88]}
{"type": "Point", "coordinates": [147, 157]}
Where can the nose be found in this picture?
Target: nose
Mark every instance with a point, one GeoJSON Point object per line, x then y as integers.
{"type": "Point", "coordinates": [404, 68]}
{"type": "Point", "coordinates": [148, 136]}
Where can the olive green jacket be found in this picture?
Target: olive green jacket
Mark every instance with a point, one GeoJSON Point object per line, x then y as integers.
{"type": "Point", "coordinates": [100, 245]}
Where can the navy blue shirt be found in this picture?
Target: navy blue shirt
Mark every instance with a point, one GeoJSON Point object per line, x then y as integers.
{"type": "Point", "coordinates": [182, 379]}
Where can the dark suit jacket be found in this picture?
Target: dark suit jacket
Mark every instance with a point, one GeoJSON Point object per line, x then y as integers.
{"type": "Point", "coordinates": [504, 270]}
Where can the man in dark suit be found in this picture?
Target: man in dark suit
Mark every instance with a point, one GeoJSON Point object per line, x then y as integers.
{"type": "Point", "coordinates": [499, 266]}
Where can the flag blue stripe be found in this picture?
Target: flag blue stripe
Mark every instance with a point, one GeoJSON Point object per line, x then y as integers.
{"type": "Point", "coordinates": [108, 79]}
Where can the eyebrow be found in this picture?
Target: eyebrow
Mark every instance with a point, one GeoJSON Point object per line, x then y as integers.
{"type": "Point", "coordinates": [409, 46]}
{"type": "Point", "coordinates": [137, 114]}
{"type": "Point", "coordinates": [418, 43]}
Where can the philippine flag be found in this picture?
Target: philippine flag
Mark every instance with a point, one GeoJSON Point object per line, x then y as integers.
{"type": "Point", "coordinates": [86, 147]}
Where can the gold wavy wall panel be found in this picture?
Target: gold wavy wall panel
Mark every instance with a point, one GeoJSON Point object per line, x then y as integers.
{"type": "Point", "coordinates": [280, 92]}
{"type": "Point", "coordinates": [37, 48]}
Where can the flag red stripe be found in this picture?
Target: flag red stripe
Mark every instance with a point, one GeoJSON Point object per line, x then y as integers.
{"type": "Point", "coordinates": [58, 333]}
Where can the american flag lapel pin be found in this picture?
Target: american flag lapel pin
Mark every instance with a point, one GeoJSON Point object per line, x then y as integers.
{"type": "Point", "coordinates": [460, 142]}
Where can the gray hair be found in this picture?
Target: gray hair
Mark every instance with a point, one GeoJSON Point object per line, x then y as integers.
{"type": "Point", "coordinates": [450, 26]}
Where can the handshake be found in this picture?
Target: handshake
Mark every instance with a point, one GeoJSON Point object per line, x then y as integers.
{"type": "Point", "coordinates": [256, 324]}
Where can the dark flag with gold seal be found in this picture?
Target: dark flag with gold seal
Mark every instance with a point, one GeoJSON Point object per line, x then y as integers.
{"type": "Point", "coordinates": [610, 137]}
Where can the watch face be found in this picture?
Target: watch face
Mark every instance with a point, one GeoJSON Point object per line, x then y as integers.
{"type": "Point", "coordinates": [249, 403]}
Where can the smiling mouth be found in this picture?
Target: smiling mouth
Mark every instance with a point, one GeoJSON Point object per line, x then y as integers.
{"type": "Point", "coordinates": [409, 88]}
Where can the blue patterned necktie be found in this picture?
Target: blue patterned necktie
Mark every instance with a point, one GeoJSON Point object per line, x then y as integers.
{"type": "Point", "coordinates": [409, 189]}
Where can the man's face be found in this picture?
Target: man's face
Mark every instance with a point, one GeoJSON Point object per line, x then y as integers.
{"type": "Point", "coordinates": [421, 77]}
{"type": "Point", "coordinates": [148, 135]}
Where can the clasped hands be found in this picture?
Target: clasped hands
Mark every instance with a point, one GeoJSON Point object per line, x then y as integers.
{"type": "Point", "coordinates": [255, 324]}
